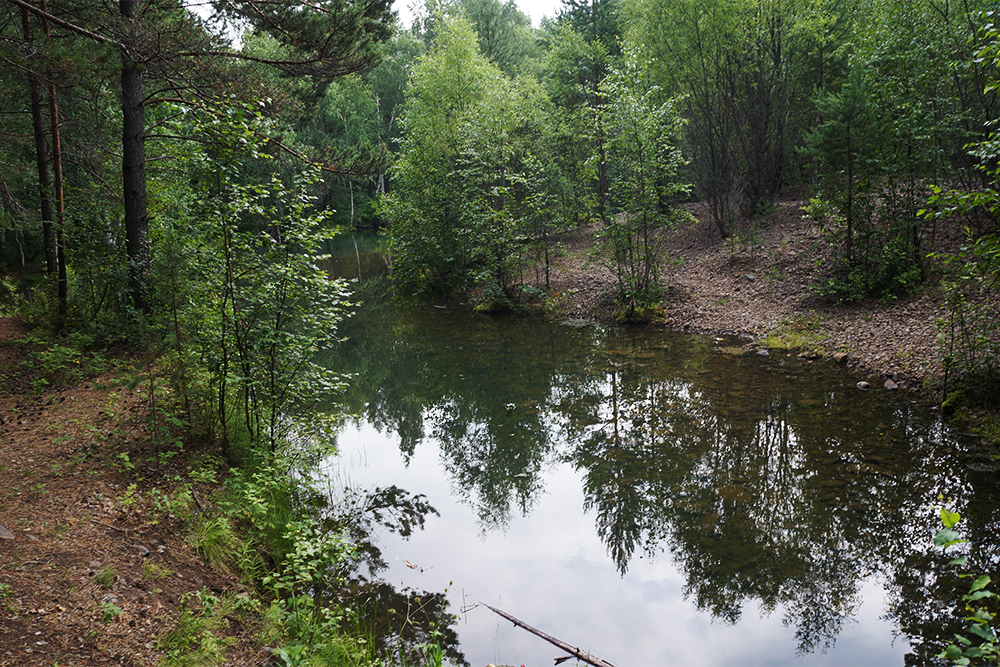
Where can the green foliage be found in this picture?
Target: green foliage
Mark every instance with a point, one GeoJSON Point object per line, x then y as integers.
{"type": "Point", "coordinates": [308, 628]}
{"type": "Point", "coordinates": [989, 428]}
{"type": "Point", "coordinates": [105, 577]}
{"type": "Point", "coordinates": [572, 74]}
{"type": "Point", "coordinates": [468, 209]}
{"type": "Point", "coordinates": [739, 65]}
{"type": "Point", "coordinates": [502, 173]}
{"type": "Point", "coordinates": [347, 129]}
{"type": "Point", "coordinates": [155, 571]}
{"type": "Point", "coordinates": [247, 305]}
{"type": "Point", "coordinates": [747, 239]}
{"type": "Point", "coordinates": [433, 654]}
{"type": "Point", "coordinates": [981, 645]}
{"type": "Point", "coordinates": [874, 229]}
{"type": "Point", "coordinates": [912, 101]}
{"type": "Point", "coordinates": [109, 611]}
{"type": "Point", "coordinates": [796, 334]}
{"type": "Point", "coordinates": [642, 147]}
{"type": "Point", "coordinates": [237, 304]}
{"type": "Point", "coordinates": [263, 500]}
{"type": "Point", "coordinates": [504, 32]}
{"type": "Point", "coordinates": [429, 243]}
{"type": "Point", "coordinates": [200, 635]}
{"type": "Point", "coordinates": [268, 512]}
{"type": "Point", "coordinates": [597, 21]}
{"type": "Point", "coordinates": [322, 42]}
{"type": "Point", "coordinates": [971, 331]}
{"type": "Point", "coordinates": [60, 362]}
{"type": "Point", "coordinates": [10, 297]}
{"type": "Point", "coordinates": [216, 542]}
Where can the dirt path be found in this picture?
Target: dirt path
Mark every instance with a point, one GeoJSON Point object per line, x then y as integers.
{"type": "Point", "coordinates": [84, 578]}
{"type": "Point", "coordinates": [757, 291]}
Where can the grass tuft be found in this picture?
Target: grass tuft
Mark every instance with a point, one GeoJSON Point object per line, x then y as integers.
{"type": "Point", "coordinates": [105, 577]}
{"type": "Point", "coordinates": [797, 334]}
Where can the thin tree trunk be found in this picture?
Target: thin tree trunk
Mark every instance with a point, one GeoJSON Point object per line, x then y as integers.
{"type": "Point", "coordinates": [134, 162]}
{"type": "Point", "coordinates": [545, 239]}
{"type": "Point", "coordinates": [41, 156]}
{"type": "Point", "coordinates": [58, 190]}
{"type": "Point", "coordinates": [223, 372]}
{"type": "Point", "coordinates": [850, 201]}
{"type": "Point", "coordinates": [60, 205]}
{"type": "Point", "coordinates": [357, 253]}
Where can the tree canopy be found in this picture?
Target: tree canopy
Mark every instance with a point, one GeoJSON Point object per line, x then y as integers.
{"type": "Point", "coordinates": [476, 139]}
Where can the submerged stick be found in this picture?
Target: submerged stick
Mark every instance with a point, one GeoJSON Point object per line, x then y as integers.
{"type": "Point", "coordinates": [577, 653]}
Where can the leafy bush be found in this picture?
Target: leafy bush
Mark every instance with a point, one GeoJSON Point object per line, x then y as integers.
{"type": "Point", "coordinates": [643, 147]}
{"type": "Point", "coordinates": [308, 628]}
{"type": "Point", "coordinates": [245, 304]}
{"type": "Point", "coordinates": [980, 603]}
{"type": "Point", "coordinates": [970, 332]}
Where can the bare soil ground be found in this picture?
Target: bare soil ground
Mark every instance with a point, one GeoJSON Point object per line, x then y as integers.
{"type": "Point", "coordinates": [86, 578]}
{"type": "Point", "coordinates": [758, 290]}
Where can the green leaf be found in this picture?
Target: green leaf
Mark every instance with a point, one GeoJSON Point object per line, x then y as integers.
{"type": "Point", "coordinates": [983, 631]}
{"type": "Point", "coordinates": [947, 537]}
{"type": "Point", "coordinates": [949, 519]}
{"type": "Point", "coordinates": [981, 582]}
{"type": "Point", "coordinates": [952, 653]}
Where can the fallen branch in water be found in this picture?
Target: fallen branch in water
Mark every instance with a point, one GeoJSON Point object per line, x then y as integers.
{"type": "Point", "coordinates": [577, 653]}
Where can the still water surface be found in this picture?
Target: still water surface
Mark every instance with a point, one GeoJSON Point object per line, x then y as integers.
{"type": "Point", "coordinates": [655, 499]}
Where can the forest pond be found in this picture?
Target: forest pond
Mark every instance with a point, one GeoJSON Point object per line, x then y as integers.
{"type": "Point", "coordinates": [653, 499]}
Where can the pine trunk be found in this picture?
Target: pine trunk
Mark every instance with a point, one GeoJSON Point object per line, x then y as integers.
{"type": "Point", "coordinates": [134, 163]}
{"type": "Point", "coordinates": [41, 155]}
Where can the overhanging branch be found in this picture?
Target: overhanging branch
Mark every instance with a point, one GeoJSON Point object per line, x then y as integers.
{"type": "Point", "coordinates": [55, 20]}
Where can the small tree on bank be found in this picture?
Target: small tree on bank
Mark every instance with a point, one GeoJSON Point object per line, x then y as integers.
{"type": "Point", "coordinates": [471, 175]}
{"type": "Point", "coordinates": [645, 161]}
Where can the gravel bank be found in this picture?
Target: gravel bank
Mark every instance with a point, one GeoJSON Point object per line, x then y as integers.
{"type": "Point", "coordinates": [753, 292]}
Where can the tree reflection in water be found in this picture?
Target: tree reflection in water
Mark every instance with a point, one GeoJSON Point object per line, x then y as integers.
{"type": "Point", "coordinates": [395, 622]}
{"type": "Point", "coordinates": [766, 480]}
{"type": "Point", "coordinates": [398, 622]}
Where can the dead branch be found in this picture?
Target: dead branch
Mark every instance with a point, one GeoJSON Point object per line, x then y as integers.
{"type": "Point", "coordinates": [577, 653]}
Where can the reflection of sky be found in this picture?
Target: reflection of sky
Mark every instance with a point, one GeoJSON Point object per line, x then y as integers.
{"type": "Point", "coordinates": [552, 571]}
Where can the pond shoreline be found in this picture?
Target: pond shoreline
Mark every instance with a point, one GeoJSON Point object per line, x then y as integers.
{"type": "Point", "coordinates": [761, 292]}
{"type": "Point", "coordinates": [95, 575]}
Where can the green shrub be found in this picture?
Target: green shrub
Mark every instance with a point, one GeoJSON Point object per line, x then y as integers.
{"type": "Point", "coordinates": [980, 645]}
{"type": "Point", "coordinates": [200, 636]}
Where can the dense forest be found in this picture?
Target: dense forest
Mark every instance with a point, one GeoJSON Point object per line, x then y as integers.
{"type": "Point", "coordinates": [171, 172]}
{"type": "Point", "coordinates": [149, 147]}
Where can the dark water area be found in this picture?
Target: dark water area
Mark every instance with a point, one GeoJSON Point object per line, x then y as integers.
{"type": "Point", "coordinates": [653, 498]}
